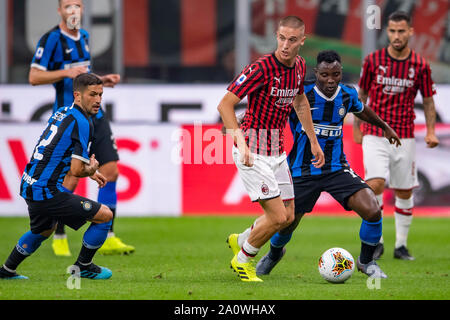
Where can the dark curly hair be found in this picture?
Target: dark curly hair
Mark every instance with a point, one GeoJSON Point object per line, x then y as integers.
{"type": "Point", "coordinates": [328, 56]}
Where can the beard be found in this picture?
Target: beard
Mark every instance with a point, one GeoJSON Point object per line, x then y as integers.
{"type": "Point", "coordinates": [73, 21]}
{"type": "Point", "coordinates": [399, 49]}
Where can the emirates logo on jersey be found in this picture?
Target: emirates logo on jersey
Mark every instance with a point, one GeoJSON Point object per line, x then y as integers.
{"type": "Point", "coordinates": [285, 96]}
{"type": "Point", "coordinates": [393, 85]}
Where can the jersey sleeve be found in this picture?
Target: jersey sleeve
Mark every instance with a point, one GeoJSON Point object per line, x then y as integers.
{"type": "Point", "coordinates": [44, 51]}
{"type": "Point", "coordinates": [366, 75]}
{"type": "Point", "coordinates": [356, 106]}
{"type": "Point", "coordinates": [250, 79]}
{"type": "Point", "coordinates": [81, 140]}
{"type": "Point", "coordinates": [302, 80]}
{"type": "Point", "coordinates": [426, 85]}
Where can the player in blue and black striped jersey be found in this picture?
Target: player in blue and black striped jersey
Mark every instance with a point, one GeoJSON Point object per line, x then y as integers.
{"type": "Point", "coordinates": [62, 53]}
{"type": "Point", "coordinates": [63, 146]}
{"type": "Point", "coordinates": [330, 102]}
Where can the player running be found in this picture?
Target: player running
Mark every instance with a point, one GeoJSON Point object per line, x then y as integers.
{"type": "Point", "coordinates": [273, 85]}
{"type": "Point", "coordinates": [62, 54]}
{"type": "Point", "coordinates": [63, 146]}
{"type": "Point", "coordinates": [330, 101]}
{"type": "Point", "coordinates": [389, 81]}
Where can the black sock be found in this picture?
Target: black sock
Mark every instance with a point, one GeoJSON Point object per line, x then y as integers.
{"type": "Point", "coordinates": [14, 259]}
{"type": "Point", "coordinates": [60, 229]}
{"type": "Point", "coordinates": [112, 221]}
{"type": "Point", "coordinates": [275, 252]}
{"type": "Point", "coordinates": [86, 255]}
{"type": "Point", "coordinates": [367, 251]}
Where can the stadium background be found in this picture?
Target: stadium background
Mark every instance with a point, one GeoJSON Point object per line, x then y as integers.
{"type": "Point", "coordinates": [176, 58]}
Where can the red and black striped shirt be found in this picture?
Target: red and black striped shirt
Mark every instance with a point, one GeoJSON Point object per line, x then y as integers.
{"type": "Point", "coordinates": [392, 86]}
{"type": "Point", "coordinates": [270, 87]}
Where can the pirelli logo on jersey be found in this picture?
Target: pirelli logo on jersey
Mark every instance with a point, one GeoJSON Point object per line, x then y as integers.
{"type": "Point", "coordinates": [77, 64]}
{"type": "Point", "coordinates": [323, 130]}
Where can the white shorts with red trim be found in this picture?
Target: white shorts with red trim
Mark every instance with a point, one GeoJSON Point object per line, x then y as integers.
{"type": "Point", "coordinates": [386, 161]}
{"type": "Point", "coordinates": [268, 178]}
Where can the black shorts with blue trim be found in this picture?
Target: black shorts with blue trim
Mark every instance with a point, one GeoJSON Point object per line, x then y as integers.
{"type": "Point", "coordinates": [103, 144]}
{"type": "Point", "coordinates": [341, 185]}
{"type": "Point", "coordinates": [64, 207]}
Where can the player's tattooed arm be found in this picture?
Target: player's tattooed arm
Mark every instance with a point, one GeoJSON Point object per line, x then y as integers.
{"type": "Point", "coordinates": [230, 122]}
{"type": "Point", "coordinates": [369, 116]}
{"type": "Point", "coordinates": [430, 119]}
{"type": "Point", "coordinates": [303, 110]}
{"type": "Point", "coordinates": [357, 134]}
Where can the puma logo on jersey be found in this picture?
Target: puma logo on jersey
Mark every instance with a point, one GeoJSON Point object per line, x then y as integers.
{"type": "Point", "coordinates": [383, 68]}
{"type": "Point", "coordinates": [277, 79]}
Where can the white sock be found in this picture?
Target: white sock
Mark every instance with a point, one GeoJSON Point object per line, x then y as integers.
{"type": "Point", "coordinates": [380, 202]}
{"type": "Point", "coordinates": [110, 234]}
{"type": "Point", "coordinates": [59, 236]}
{"type": "Point", "coordinates": [244, 235]}
{"type": "Point", "coordinates": [247, 252]}
{"type": "Point", "coordinates": [403, 219]}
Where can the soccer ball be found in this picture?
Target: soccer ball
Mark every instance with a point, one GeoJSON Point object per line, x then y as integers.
{"type": "Point", "coordinates": [336, 265]}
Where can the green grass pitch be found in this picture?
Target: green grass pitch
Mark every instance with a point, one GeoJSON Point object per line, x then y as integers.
{"type": "Point", "coordinates": [187, 259]}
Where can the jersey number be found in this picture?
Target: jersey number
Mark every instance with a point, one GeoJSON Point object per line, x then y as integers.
{"type": "Point", "coordinates": [45, 142]}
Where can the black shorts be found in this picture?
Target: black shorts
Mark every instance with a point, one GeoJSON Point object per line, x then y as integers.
{"type": "Point", "coordinates": [70, 209]}
{"type": "Point", "coordinates": [340, 184]}
{"type": "Point", "coordinates": [103, 145]}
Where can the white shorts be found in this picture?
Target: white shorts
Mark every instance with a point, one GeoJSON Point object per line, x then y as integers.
{"type": "Point", "coordinates": [386, 161]}
{"type": "Point", "coordinates": [268, 178]}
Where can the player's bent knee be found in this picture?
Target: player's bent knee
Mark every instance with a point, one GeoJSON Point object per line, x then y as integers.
{"type": "Point", "coordinates": [103, 215]}
{"type": "Point", "coordinates": [374, 215]}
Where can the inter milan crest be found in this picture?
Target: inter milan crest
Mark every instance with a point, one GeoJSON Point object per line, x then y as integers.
{"type": "Point", "coordinates": [87, 205]}
{"type": "Point", "coordinates": [342, 112]}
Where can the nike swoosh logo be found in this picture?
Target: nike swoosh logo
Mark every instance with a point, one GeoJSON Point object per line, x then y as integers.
{"type": "Point", "coordinates": [69, 50]}
{"type": "Point", "coordinates": [313, 108]}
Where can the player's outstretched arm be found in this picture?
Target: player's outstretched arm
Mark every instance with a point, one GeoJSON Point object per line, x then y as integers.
{"type": "Point", "coordinates": [371, 117]}
{"type": "Point", "coordinates": [110, 80]}
{"type": "Point", "coordinates": [230, 122]}
{"type": "Point", "coordinates": [303, 110]}
{"type": "Point", "coordinates": [430, 118]}
{"type": "Point", "coordinates": [357, 133]}
{"type": "Point", "coordinates": [37, 77]}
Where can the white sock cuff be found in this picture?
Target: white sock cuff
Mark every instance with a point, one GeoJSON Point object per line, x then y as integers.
{"type": "Point", "coordinates": [404, 203]}
{"type": "Point", "coordinates": [8, 269]}
{"type": "Point", "coordinates": [249, 248]}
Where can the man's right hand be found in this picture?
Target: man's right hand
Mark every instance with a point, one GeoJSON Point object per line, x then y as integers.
{"type": "Point", "coordinates": [74, 72]}
{"type": "Point", "coordinates": [246, 156]}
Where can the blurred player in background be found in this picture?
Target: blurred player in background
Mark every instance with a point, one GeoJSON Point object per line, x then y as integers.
{"type": "Point", "coordinates": [330, 102]}
{"type": "Point", "coordinates": [63, 146]}
{"type": "Point", "coordinates": [273, 84]}
{"type": "Point", "coordinates": [62, 54]}
{"type": "Point", "coordinates": [389, 81]}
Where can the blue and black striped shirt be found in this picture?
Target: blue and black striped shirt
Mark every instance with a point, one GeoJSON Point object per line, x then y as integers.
{"type": "Point", "coordinates": [328, 117]}
{"type": "Point", "coordinates": [58, 50]}
{"type": "Point", "coordinates": [68, 135]}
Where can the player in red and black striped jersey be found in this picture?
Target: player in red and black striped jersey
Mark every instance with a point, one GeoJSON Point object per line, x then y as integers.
{"type": "Point", "coordinates": [273, 85]}
{"type": "Point", "coordinates": [390, 80]}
